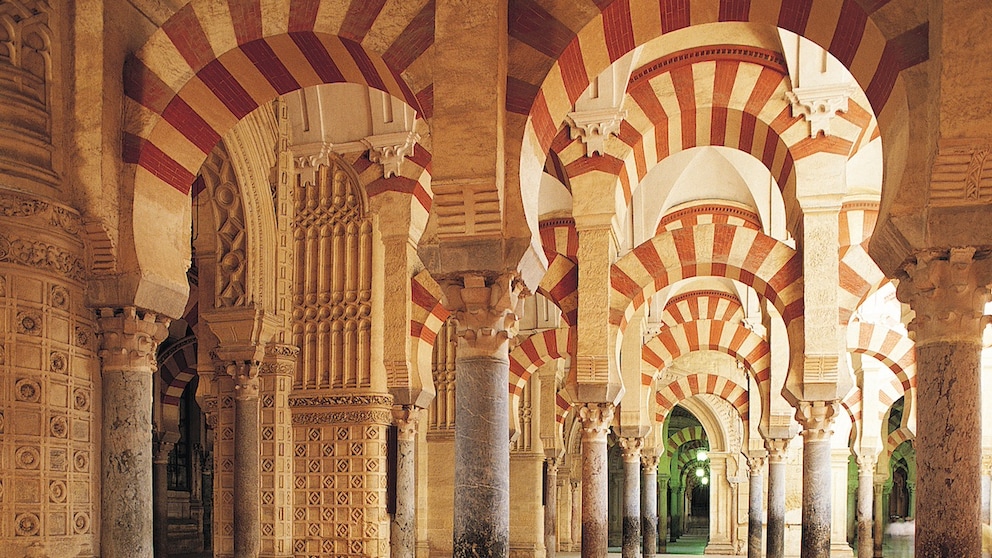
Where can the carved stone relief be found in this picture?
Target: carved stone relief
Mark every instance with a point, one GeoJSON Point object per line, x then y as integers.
{"type": "Point", "coordinates": [224, 195]}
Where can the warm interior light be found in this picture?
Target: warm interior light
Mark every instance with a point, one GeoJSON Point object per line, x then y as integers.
{"type": "Point", "coordinates": [700, 472]}
{"type": "Point", "coordinates": [701, 455]}
{"type": "Point", "coordinates": [704, 480]}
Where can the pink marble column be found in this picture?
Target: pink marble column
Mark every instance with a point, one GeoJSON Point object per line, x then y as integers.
{"type": "Point", "coordinates": [816, 417]}
{"type": "Point", "coordinates": [247, 473]}
{"type": "Point", "coordinates": [777, 453]}
{"type": "Point", "coordinates": [756, 497]}
{"type": "Point", "coordinates": [596, 418]}
{"type": "Point", "coordinates": [403, 528]}
{"type": "Point", "coordinates": [631, 496]}
{"type": "Point", "coordinates": [128, 341]}
{"type": "Point", "coordinates": [866, 485]}
{"type": "Point", "coordinates": [948, 291]}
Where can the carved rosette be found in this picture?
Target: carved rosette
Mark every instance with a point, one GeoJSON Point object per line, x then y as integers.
{"type": "Point", "coordinates": [484, 311]}
{"type": "Point", "coordinates": [406, 417]}
{"type": "Point", "coordinates": [777, 448]}
{"type": "Point", "coordinates": [245, 376]}
{"type": "Point", "coordinates": [129, 338]}
{"type": "Point", "coordinates": [596, 419]}
{"type": "Point", "coordinates": [948, 291]}
{"type": "Point", "coordinates": [817, 417]}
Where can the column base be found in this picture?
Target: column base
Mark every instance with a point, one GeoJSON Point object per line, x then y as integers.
{"type": "Point", "coordinates": [842, 550]}
{"type": "Point", "coordinates": [723, 548]}
{"type": "Point", "coordinates": [527, 551]}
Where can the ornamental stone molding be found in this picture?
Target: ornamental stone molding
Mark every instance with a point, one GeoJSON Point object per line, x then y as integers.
{"type": "Point", "coordinates": [484, 310]}
{"type": "Point", "coordinates": [961, 172]}
{"type": "Point", "coordinates": [756, 464]}
{"type": "Point", "coordinates": [594, 126]}
{"type": "Point", "coordinates": [948, 291]}
{"type": "Point", "coordinates": [819, 105]}
{"type": "Point", "coordinates": [390, 150]}
{"type": "Point", "coordinates": [816, 417]}
{"type": "Point", "coordinates": [129, 338]}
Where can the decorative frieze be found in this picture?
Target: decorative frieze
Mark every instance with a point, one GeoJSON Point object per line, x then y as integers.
{"type": "Point", "coordinates": [961, 172]}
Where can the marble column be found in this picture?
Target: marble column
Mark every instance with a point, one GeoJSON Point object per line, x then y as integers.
{"type": "Point", "coordinates": [756, 497]}
{"type": "Point", "coordinates": [866, 485]}
{"type": "Point", "coordinates": [879, 518]}
{"type": "Point", "coordinates": [247, 474]}
{"type": "Point", "coordinates": [403, 528]}
{"type": "Point", "coordinates": [777, 454]}
{"type": "Point", "coordinates": [662, 513]}
{"type": "Point", "coordinates": [649, 505]}
{"type": "Point", "coordinates": [596, 418]}
{"type": "Point", "coordinates": [482, 307]}
{"type": "Point", "coordinates": [160, 510]}
{"type": "Point", "coordinates": [631, 496]}
{"type": "Point", "coordinates": [576, 519]}
{"type": "Point", "coordinates": [948, 291]}
{"type": "Point", "coordinates": [816, 418]}
{"type": "Point", "coordinates": [986, 516]}
{"type": "Point", "coordinates": [128, 340]}
{"type": "Point", "coordinates": [564, 515]}
{"type": "Point", "coordinates": [551, 508]}
{"type": "Point", "coordinates": [675, 515]}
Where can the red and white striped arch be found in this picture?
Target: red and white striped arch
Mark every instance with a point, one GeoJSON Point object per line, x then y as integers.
{"type": "Point", "coordinates": [177, 367]}
{"type": "Point", "coordinates": [770, 267]}
{"type": "Point", "coordinates": [685, 387]}
{"type": "Point", "coordinates": [890, 347]}
{"type": "Point", "coordinates": [701, 305]}
{"type": "Point", "coordinates": [709, 213]}
{"type": "Point", "coordinates": [687, 434]}
{"type": "Point", "coordinates": [896, 438]}
{"type": "Point", "coordinates": [726, 95]}
{"type": "Point", "coordinates": [887, 393]}
{"type": "Point", "coordinates": [845, 29]}
{"type": "Point", "coordinates": [709, 335]}
{"type": "Point", "coordinates": [858, 273]}
{"type": "Point", "coordinates": [560, 283]}
{"type": "Point", "coordinates": [536, 351]}
{"type": "Point", "coordinates": [688, 456]}
{"type": "Point", "coordinates": [428, 315]}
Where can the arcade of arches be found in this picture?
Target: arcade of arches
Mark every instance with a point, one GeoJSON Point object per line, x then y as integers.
{"type": "Point", "coordinates": [502, 278]}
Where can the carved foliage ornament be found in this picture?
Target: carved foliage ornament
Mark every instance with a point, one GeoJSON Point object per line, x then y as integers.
{"type": "Point", "coordinates": [485, 311]}
{"type": "Point", "coordinates": [129, 338]}
{"type": "Point", "coordinates": [41, 256]}
{"type": "Point", "coordinates": [596, 419]}
{"type": "Point", "coordinates": [816, 417]}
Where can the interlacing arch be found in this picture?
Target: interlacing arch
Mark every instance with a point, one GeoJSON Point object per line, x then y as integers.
{"type": "Point", "coordinates": [859, 275]}
{"type": "Point", "coordinates": [560, 283]}
{"type": "Point", "coordinates": [537, 350]}
{"type": "Point", "coordinates": [887, 394]}
{"type": "Point", "coordinates": [177, 367]}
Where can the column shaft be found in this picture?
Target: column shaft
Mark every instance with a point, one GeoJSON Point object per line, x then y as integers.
{"type": "Point", "coordinates": [403, 528]}
{"type": "Point", "coordinates": [949, 449]}
{"type": "Point", "coordinates": [866, 493]}
{"type": "Point", "coordinates": [776, 496]}
{"type": "Point", "coordinates": [631, 496]}
{"type": "Point", "coordinates": [663, 513]}
{"type": "Point", "coordinates": [879, 524]}
{"type": "Point", "coordinates": [596, 419]}
{"type": "Point", "coordinates": [128, 343]}
{"type": "Point", "coordinates": [247, 485]}
{"type": "Point", "coordinates": [482, 458]}
{"type": "Point", "coordinates": [649, 506]}
{"type": "Point", "coordinates": [576, 519]}
{"type": "Point", "coordinates": [551, 509]}
{"type": "Point", "coordinates": [756, 494]}
{"type": "Point", "coordinates": [816, 497]}
{"type": "Point", "coordinates": [160, 510]}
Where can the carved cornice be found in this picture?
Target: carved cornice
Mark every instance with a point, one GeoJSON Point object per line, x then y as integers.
{"type": "Point", "coordinates": [948, 291]}
{"type": "Point", "coordinates": [819, 105]}
{"type": "Point", "coordinates": [42, 256]}
{"type": "Point", "coordinates": [341, 401]}
{"type": "Point", "coordinates": [336, 417]}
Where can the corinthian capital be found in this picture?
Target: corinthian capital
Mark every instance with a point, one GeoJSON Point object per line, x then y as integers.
{"type": "Point", "coordinates": [484, 310]}
{"type": "Point", "coordinates": [632, 448]}
{"type": "Point", "coordinates": [245, 374]}
{"type": "Point", "coordinates": [596, 419]}
{"type": "Point", "coordinates": [948, 291]}
{"type": "Point", "coordinates": [129, 338]}
{"type": "Point", "coordinates": [816, 417]}
{"type": "Point", "coordinates": [778, 449]}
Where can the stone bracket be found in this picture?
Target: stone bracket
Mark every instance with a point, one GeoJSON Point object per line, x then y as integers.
{"type": "Point", "coordinates": [594, 126]}
{"type": "Point", "coordinates": [819, 105]}
{"type": "Point", "coordinates": [389, 150]}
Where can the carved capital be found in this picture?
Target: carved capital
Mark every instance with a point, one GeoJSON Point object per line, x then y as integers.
{"type": "Point", "coordinates": [389, 150]}
{"type": "Point", "coordinates": [245, 375]}
{"type": "Point", "coordinates": [948, 291]}
{"type": "Point", "coordinates": [553, 463]}
{"type": "Point", "coordinates": [866, 464]}
{"type": "Point", "coordinates": [987, 465]}
{"type": "Point", "coordinates": [816, 417]}
{"type": "Point", "coordinates": [596, 419]}
{"type": "Point", "coordinates": [484, 311]}
{"type": "Point", "coordinates": [649, 460]}
{"type": "Point", "coordinates": [632, 448]}
{"type": "Point", "coordinates": [819, 105]}
{"type": "Point", "coordinates": [756, 464]}
{"type": "Point", "coordinates": [406, 417]}
{"type": "Point", "coordinates": [129, 338]}
{"type": "Point", "coordinates": [594, 126]}
{"type": "Point", "coordinates": [778, 449]}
